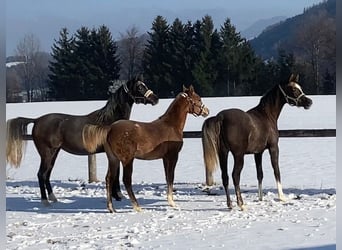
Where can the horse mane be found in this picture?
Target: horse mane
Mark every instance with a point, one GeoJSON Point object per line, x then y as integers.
{"type": "Point", "coordinates": [94, 136]}
{"type": "Point", "coordinates": [113, 108]}
{"type": "Point", "coordinates": [269, 97]}
{"type": "Point", "coordinates": [172, 104]}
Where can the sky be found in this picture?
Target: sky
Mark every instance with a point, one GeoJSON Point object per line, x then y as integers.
{"type": "Point", "coordinates": [45, 18]}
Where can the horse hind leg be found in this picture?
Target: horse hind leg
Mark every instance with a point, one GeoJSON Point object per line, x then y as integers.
{"type": "Point", "coordinates": [260, 174]}
{"type": "Point", "coordinates": [238, 165]}
{"type": "Point", "coordinates": [48, 158]}
{"type": "Point", "coordinates": [223, 159]}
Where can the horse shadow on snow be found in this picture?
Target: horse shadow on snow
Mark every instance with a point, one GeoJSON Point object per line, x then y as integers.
{"type": "Point", "coordinates": [76, 196]}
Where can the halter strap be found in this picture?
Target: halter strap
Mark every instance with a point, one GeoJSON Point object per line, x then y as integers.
{"type": "Point", "coordinates": [146, 95]}
{"type": "Point", "coordinates": [185, 95]}
{"type": "Point", "coordinates": [287, 98]}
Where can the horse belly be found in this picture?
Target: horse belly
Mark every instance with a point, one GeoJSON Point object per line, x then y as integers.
{"type": "Point", "coordinates": [160, 151]}
{"type": "Point", "coordinates": [256, 144]}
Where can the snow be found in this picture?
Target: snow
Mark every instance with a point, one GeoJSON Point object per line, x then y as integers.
{"type": "Point", "coordinates": [80, 220]}
{"type": "Point", "coordinates": [10, 64]}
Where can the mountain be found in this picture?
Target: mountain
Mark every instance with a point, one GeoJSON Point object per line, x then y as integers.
{"type": "Point", "coordinates": [283, 35]}
{"type": "Point", "coordinates": [256, 28]}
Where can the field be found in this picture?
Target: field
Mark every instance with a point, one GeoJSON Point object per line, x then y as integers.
{"type": "Point", "coordinates": [80, 219]}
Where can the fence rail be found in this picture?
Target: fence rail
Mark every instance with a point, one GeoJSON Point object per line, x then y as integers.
{"type": "Point", "coordinates": [282, 133]}
{"type": "Point", "coordinates": [197, 134]}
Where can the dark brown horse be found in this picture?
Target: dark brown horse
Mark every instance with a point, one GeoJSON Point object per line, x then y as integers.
{"type": "Point", "coordinates": [55, 131]}
{"type": "Point", "coordinates": [159, 139]}
{"type": "Point", "coordinates": [251, 132]}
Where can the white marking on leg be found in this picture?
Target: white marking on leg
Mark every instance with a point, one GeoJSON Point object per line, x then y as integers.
{"type": "Point", "coordinates": [170, 200]}
{"type": "Point", "coordinates": [260, 192]}
{"type": "Point", "coordinates": [280, 192]}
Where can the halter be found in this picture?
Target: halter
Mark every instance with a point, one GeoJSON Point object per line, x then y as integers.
{"type": "Point", "coordinates": [202, 106]}
{"type": "Point", "coordinates": [146, 94]}
{"type": "Point", "coordinates": [295, 100]}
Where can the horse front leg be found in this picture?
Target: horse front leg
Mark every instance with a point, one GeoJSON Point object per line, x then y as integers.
{"type": "Point", "coordinates": [169, 168]}
{"type": "Point", "coordinates": [223, 155]}
{"type": "Point", "coordinates": [274, 154]}
{"type": "Point", "coordinates": [260, 174]}
{"type": "Point", "coordinates": [238, 165]}
{"type": "Point", "coordinates": [113, 165]}
{"type": "Point", "coordinates": [116, 191]}
{"type": "Point", "coordinates": [127, 179]}
{"type": "Point", "coordinates": [51, 195]}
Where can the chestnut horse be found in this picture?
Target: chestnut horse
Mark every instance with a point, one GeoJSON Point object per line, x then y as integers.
{"type": "Point", "coordinates": [53, 132]}
{"type": "Point", "coordinates": [159, 139]}
{"type": "Point", "coordinates": [251, 132]}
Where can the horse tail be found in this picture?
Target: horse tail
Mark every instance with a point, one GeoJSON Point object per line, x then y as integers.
{"type": "Point", "coordinates": [94, 136]}
{"type": "Point", "coordinates": [210, 141]}
{"type": "Point", "coordinates": [16, 137]}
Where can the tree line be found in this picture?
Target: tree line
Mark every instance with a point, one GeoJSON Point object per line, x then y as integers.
{"type": "Point", "coordinates": [218, 62]}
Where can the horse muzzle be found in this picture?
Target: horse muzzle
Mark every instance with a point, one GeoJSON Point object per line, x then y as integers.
{"type": "Point", "coordinates": [150, 97]}
{"type": "Point", "coordinates": [204, 111]}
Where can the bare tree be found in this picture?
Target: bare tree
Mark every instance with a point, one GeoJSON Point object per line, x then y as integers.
{"type": "Point", "coordinates": [28, 49]}
{"type": "Point", "coordinates": [316, 39]}
{"type": "Point", "coordinates": [13, 87]}
{"type": "Point", "coordinates": [131, 48]}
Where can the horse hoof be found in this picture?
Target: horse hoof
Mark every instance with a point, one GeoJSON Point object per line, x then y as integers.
{"type": "Point", "coordinates": [118, 196]}
{"type": "Point", "coordinates": [137, 209]}
{"type": "Point", "coordinates": [172, 204]}
{"type": "Point", "coordinates": [243, 208]}
{"type": "Point", "coordinates": [282, 198]}
{"type": "Point", "coordinates": [111, 210]}
{"type": "Point", "coordinates": [52, 197]}
{"type": "Point", "coordinates": [45, 203]}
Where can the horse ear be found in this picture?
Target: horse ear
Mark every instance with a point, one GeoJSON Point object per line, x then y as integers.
{"type": "Point", "coordinates": [297, 78]}
{"type": "Point", "coordinates": [292, 78]}
{"type": "Point", "coordinates": [191, 88]}
{"type": "Point", "coordinates": [184, 88]}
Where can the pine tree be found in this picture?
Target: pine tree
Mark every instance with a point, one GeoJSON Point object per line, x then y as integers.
{"type": "Point", "coordinates": [177, 50]}
{"type": "Point", "coordinates": [105, 61]}
{"type": "Point", "coordinates": [62, 85]}
{"type": "Point", "coordinates": [84, 65]}
{"type": "Point", "coordinates": [229, 56]}
{"type": "Point", "coordinates": [156, 59]}
{"type": "Point", "coordinates": [204, 70]}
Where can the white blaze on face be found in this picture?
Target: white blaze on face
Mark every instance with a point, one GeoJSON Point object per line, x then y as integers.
{"type": "Point", "coordinates": [297, 86]}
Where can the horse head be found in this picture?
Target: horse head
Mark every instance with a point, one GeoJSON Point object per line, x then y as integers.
{"type": "Point", "coordinates": [294, 94]}
{"type": "Point", "coordinates": [197, 108]}
{"type": "Point", "coordinates": [140, 93]}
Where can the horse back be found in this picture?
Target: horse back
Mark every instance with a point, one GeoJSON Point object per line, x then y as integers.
{"type": "Point", "coordinates": [58, 130]}
{"type": "Point", "coordinates": [242, 132]}
{"type": "Point", "coordinates": [132, 139]}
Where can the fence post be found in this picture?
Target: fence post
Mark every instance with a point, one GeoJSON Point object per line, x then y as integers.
{"type": "Point", "coordinates": [92, 168]}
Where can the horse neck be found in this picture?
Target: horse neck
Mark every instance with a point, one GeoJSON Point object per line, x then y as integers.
{"type": "Point", "coordinates": [118, 106]}
{"type": "Point", "coordinates": [271, 104]}
{"type": "Point", "coordinates": [176, 113]}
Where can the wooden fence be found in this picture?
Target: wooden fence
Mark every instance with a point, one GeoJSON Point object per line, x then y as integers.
{"type": "Point", "coordinates": [282, 133]}
{"type": "Point", "coordinates": [92, 177]}
{"type": "Point", "coordinates": [197, 134]}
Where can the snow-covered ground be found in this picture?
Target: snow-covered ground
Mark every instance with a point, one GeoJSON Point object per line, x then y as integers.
{"type": "Point", "coordinates": [80, 219]}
